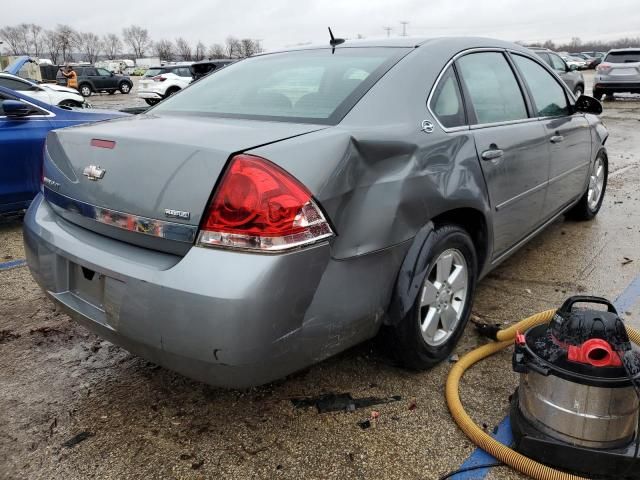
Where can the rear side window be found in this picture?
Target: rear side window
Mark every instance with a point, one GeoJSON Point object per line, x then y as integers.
{"type": "Point", "coordinates": [313, 86]}
{"type": "Point", "coordinates": [493, 89]}
{"type": "Point", "coordinates": [90, 72]}
{"type": "Point", "coordinates": [152, 72]}
{"type": "Point", "coordinates": [549, 96]}
{"type": "Point", "coordinates": [631, 56]}
{"type": "Point", "coordinates": [14, 84]}
{"type": "Point", "coordinates": [446, 102]}
{"type": "Point", "coordinates": [557, 63]}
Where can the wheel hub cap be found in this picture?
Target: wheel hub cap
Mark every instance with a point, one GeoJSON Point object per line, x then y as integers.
{"type": "Point", "coordinates": [444, 297]}
{"type": "Point", "coordinates": [596, 184]}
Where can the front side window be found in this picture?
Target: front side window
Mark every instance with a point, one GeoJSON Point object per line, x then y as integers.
{"type": "Point", "coordinates": [549, 96]}
{"type": "Point", "coordinates": [304, 86]}
{"type": "Point", "coordinates": [493, 89]}
{"type": "Point", "coordinates": [103, 72]}
{"type": "Point", "coordinates": [446, 103]}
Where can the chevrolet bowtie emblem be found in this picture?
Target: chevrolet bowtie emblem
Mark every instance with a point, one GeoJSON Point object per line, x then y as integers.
{"type": "Point", "coordinates": [93, 172]}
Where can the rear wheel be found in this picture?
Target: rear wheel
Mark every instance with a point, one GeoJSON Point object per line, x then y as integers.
{"type": "Point", "coordinates": [151, 101]}
{"type": "Point", "coordinates": [124, 87]}
{"type": "Point", "coordinates": [590, 203]}
{"type": "Point", "coordinates": [85, 90]}
{"type": "Point", "coordinates": [111, 92]}
{"type": "Point", "coordinates": [432, 327]}
{"type": "Point", "coordinates": [597, 94]}
{"type": "Point", "coordinates": [171, 91]}
{"type": "Point", "coordinates": [578, 91]}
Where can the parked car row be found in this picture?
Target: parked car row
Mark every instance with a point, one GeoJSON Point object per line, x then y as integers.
{"type": "Point", "coordinates": [161, 82]}
{"type": "Point", "coordinates": [619, 72]}
{"type": "Point", "coordinates": [291, 205]}
{"type": "Point", "coordinates": [568, 73]}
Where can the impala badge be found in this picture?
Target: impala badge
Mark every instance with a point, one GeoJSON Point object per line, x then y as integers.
{"type": "Point", "coordinates": [93, 172]}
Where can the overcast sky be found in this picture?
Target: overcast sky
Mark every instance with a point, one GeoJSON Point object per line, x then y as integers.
{"type": "Point", "coordinates": [281, 23]}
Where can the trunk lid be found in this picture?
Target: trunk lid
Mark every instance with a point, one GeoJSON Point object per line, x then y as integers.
{"type": "Point", "coordinates": [112, 177]}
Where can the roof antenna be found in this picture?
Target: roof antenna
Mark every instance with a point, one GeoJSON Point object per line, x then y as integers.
{"type": "Point", "coordinates": [334, 41]}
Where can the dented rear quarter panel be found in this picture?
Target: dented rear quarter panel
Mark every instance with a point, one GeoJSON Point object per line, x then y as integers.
{"type": "Point", "coordinates": [377, 175]}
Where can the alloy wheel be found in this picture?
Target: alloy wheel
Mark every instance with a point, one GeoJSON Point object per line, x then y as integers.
{"type": "Point", "coordinates": [444, 297]}
{"type": "Point", "coordinates": [596, 183]}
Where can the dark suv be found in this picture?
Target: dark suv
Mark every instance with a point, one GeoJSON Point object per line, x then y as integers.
{"type": "Point", "coordinates": [92, 79]}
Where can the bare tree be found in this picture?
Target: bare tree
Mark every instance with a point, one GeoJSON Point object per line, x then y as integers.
{"type": "Point", "coordinates": [575, 42]}
{"type": "Point", "coordinates": [233, 47]}
{"type": "Point", "coordinates": [249, 47]}
{"type": "Point", "coordinates": [138, 39]}
{"type": "Point", "coordinates": [16, 38]}
{"type": "Point", "coordinates": [200, 52]}
{"type": "Point", "coordinates": [112, 45]}
{"type": "Point", "coordinates": [216, 51]}
{"type": "Point", "coordinates": [52, 45]}
{"type": "Point", "coordinates": [36, 39]}
{"type": "Point", "coordinates": [183, 49]}
{"type": "Point", "coordinates": [549, 44]}
{"type": "Point", "coordinates": [67, 39]}
{"type": "Point", "coordinates": [90, 45]}
{"type": "Point", "coordinates": [164, 50]}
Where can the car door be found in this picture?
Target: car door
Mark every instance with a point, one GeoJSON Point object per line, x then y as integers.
{"type": "Point", "coordinates": [567, 133]}
{"type": "Point", "coordinates": [91, 74]}
{"type": "Point", "coordinates": [513, 152]}
{"type": "Point", "coordinates": [104, 79]}
{"type": "Point", "coordinates": [21, 143]}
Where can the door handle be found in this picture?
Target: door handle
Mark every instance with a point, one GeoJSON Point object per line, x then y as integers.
{"type": "Point", "coordinates": [557, 139]}
{"type": "Point", "coordinates": [492, 154]}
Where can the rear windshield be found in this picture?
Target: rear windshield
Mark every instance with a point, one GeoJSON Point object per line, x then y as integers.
{"type": "Point", "coordinates": [313, 86]}
{"type": "Point", "coordinates": [623, 57]}
{"type": "Point", "coordinates": [152, 72]}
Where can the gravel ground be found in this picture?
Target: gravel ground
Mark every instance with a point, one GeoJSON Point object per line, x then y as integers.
{"type": "Point", "coordinates": [73, 406]}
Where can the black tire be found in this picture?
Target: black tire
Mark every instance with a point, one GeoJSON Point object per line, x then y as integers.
{"type": "Point", "coordinates": [585, 209]}
{"type": "Point", "coordinates": [70, 103]}
{"type": "Point", "coordinates": [85, 89]}
{"type": "Point", "coordinates": [171, 91]}
{"type": "Point", "coordinates": [111, 92]}
{"type": "Point", "coordinates": [579, 91]}
{"type": "Point", "coordinates": [597, 94]}
{"type": "Point", "coordinates": [125, 88]}
{"type": "Point", "coordinates": [151, 101]}
{"type": "Point", "coordinates": [406, 338]}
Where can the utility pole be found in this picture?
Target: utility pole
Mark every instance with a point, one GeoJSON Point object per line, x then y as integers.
{"type": "Point", "coordinates": [388, 30]}
{"type": "Point", "coordinates": [404, 28]}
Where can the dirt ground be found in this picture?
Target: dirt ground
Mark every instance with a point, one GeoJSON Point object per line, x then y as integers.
{"type": "Point", "coordinates": [73, 406]}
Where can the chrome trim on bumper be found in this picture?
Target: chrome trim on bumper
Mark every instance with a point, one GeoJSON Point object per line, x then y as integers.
{"type": "Point", "coordinates": [125, 221]}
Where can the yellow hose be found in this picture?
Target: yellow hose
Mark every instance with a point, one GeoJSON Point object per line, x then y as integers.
{"type": "Point", "coordinates": [487, 443]}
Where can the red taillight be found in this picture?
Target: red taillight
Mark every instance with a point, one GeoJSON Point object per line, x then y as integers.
{"type": "Point", "coordinates": [603, 68]}
{"type": "Point", "coordinates": [158, 78]}
{"type": "Point", "coordinates": [260, 207]}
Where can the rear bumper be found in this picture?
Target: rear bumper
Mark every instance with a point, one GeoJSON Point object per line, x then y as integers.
{"type": "Point", "coordinates": [149, 94]}
{"type": "Point", "coordinates": [617, 87]}
{"type": "Point", "coordinates": [226, 318]}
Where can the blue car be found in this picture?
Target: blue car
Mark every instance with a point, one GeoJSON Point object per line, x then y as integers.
{"type": "Point", "coordinates": [24, 125]}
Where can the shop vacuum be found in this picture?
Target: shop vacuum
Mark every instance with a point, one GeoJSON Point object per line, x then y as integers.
{"type": "Point", "coordinates": [577, 406]}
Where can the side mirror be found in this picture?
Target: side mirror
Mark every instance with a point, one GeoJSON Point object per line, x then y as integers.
{"type": "Point", "coordinates": [586, 104]}
{"type": "Point", "coordinates": [16, 109]}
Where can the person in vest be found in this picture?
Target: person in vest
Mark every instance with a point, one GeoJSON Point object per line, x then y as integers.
{"type": "Point", "coordinates": [72, 77]}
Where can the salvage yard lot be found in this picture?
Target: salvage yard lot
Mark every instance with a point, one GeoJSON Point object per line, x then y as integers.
{"type": "Point", "coordinates": [73, 406]}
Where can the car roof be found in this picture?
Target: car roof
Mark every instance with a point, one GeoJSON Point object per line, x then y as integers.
{"type": "Point", "coordinates": [461, 43]}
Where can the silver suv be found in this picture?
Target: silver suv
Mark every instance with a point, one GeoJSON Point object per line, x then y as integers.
{"type": "Point", "coordinates": [619, 72]}
{"type": "Point", "coordinates": [571, 76]}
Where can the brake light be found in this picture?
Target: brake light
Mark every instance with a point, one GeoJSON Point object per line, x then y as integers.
{"type": "Point", "coordinates": [603, 68]}
{"type": "Point", "coordinates": [158, 78]}
{"type": "Point", "coordinates": [260, 207]}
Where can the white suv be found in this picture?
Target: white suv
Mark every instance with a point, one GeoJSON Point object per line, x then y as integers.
{"type": "Point", "coordinates": [45, 92]}
{"type": "Point", "coordinates": [161, 82]}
